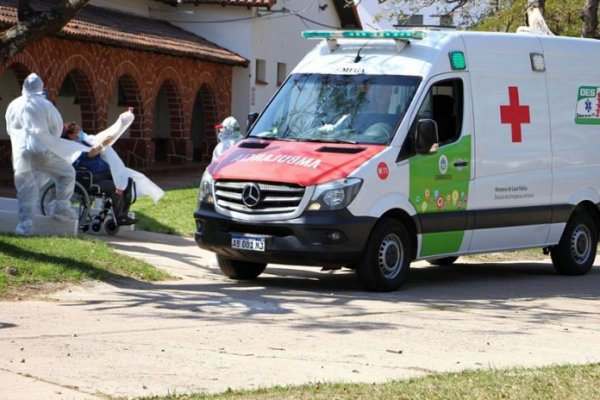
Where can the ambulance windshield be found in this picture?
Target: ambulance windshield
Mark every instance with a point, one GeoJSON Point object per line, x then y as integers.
{"type": "Point", "coordinates": [337, 108]}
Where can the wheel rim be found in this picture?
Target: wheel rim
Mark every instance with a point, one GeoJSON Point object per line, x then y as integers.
{"type": "Point", "coordinates": [391, 256]}
{"type": "Point", "coordinates": [581, 244]}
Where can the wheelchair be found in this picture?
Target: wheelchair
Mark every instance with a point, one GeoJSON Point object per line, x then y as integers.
{"type": "Point", "coordinates": [94, 207]}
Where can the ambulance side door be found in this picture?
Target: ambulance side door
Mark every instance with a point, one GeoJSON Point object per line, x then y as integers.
{"type": "Point", "coordinates": [511, 192]}
{"type": "Point", "coordinates": [439, 182]}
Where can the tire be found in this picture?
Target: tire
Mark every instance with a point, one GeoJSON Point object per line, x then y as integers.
{"type": "Point", "coordinates": [576, 251]}
{"type": "Point", "coordinates": [386, 260]}
{"type": "Point", "coordinates": [80, 200]}
{"type": "Point", "coordinates": [243, 270]}
{"type": "Point", "coordinates": [111, 227]}
{"type": "Point", "coordinates": [443, 261]}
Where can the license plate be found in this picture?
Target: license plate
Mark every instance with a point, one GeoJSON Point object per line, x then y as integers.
{"type": "Point", "coordinates": [248, 243]}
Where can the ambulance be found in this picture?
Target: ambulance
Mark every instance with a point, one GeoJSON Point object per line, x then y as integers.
{"type": "Point", "coordinates": [382, 148]}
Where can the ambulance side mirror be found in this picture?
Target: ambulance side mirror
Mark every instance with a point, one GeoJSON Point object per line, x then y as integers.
{"type": "Point", "coordinates": [426, 138]}
{"type": "Point", "coordinates": [250, 121]}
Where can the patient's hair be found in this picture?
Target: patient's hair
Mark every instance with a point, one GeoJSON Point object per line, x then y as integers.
{"type": "Point", "coordinates": [70, 128]}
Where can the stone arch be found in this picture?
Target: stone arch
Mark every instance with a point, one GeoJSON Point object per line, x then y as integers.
{"type": "Point", "coordinates": [76, 84]}
{"type": "Point", "coordinates": [21, 63]}
{"type": "Point", "coordinates": [20, 70]}
{"type": "Point", "coordinates": [127, 76]}
{"type": "Point", "coordinates": [77, 69]}
{"type": "Point", "coordinates": [11, 83]}
{"type": "Point", "coordinates": [167, 124]}
{"type": "Point", "coordinates": [129, 95]}
{"type": "Point", "coordinates": [204, 118]}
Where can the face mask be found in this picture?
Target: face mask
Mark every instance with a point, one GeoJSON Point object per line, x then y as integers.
{"type": "Point", "coordinates": [81, 136]}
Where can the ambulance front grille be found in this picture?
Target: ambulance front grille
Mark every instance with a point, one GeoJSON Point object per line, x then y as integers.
{"type": "Point", "coordinates": [258, 197]}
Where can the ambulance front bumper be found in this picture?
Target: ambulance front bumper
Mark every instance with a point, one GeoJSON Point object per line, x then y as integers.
{"type": "Point", "coordinates": [316, 238]}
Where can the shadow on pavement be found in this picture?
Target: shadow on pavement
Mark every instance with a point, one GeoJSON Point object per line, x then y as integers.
{"type": "Point", "coordinates": [295, 293]}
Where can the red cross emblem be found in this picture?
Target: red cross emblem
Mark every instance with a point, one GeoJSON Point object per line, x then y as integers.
{"type": "Point", "coordinates": [514, 114]}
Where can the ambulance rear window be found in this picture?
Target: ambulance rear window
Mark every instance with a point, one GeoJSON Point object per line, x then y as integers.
{"type": "Point", "coordinates": [337, 108]}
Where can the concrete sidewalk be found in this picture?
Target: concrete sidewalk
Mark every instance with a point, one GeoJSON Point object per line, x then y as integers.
{"type": "Point", "coordinates": [294, 325]}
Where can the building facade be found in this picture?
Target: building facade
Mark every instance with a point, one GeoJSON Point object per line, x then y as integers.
{"type": "Point", "coordinates": [105, 61]}
{"type": "Point", "coordinates": [184, 65]}
{"type": "Point", "coordinates": [266, 32]}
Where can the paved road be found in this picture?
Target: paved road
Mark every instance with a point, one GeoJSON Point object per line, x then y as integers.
{"type": "Point", "coordinates": [292, 326]}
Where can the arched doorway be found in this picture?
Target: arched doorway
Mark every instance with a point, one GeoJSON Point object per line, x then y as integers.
{"type": "Point", "coordinates": [167, 122]}
{"type": "Point", "coordinates": [203, 121]}
{"type": "Point", "coordinates": [76, 101]}
{"type": "Point", "coordinates": [11, 83]}
{"type": "Point", "coordinates": [126, 94]}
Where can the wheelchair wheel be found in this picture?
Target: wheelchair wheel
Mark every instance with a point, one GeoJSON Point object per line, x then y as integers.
{"type": "Point", "coordinates": [111, 227]}
{"type": "Point", "coordinates": [80, 201]}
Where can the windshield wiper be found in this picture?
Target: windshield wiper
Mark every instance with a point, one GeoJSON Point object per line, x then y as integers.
{"type": "Point", "coordinates": [285, 139]}
{"type": "Point", "coordinates": [329, 140]}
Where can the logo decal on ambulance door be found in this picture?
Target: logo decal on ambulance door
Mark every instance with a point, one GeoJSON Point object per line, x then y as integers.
{"type": "Point", "coordinates": [443, 164]}
{"type": "Point", "coordinates": [588, 106]}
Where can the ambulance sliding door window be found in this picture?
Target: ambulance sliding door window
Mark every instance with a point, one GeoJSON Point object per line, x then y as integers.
{"type": "Point", "coordinates": [444, 104]}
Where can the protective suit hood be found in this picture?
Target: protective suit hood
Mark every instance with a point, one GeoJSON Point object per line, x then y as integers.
{"type": "Point", "coordinates": [33, 85]}
{"type": "Point", "coordinates": [229, 134]}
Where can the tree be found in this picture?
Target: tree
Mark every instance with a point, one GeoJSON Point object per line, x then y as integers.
{"type": "Point", "coordinates": [563, 17]}
{"type": "Point", "coordinates": [32, 25]}
{"type": "Point", "coordinates": [590, 19]}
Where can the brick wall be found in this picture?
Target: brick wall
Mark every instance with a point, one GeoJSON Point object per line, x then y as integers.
{"type": "Point", "coordinates": [96, 68]}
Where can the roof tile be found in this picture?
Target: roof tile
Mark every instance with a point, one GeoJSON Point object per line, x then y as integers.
{"type": "Point", "coordinates": [110, 27]}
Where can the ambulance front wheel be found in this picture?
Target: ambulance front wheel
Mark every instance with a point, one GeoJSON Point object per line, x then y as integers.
{"type": "Point", "coordinates": [387, 257]}
{"type": "Point", "coordinates": [443, 261]}
{"type": "Point", "coordinates": [576, 251]}
{"type": "Point", "coordinates": [243, 270]}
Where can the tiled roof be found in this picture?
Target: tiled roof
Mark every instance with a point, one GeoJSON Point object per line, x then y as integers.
{"type": "Point", "coordinates": [244, 3]}
{"type": "Point", "coordinates": [113, 28]}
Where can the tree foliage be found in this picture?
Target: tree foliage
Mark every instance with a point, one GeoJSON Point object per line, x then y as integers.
{"type": "Point", "coordinates": [33, 25]}
{"type": "Point", "coordinates": [563, 17]}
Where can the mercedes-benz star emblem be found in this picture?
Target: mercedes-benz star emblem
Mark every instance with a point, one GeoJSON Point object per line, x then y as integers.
{"type": "Point", "coordinates": [251, 195]}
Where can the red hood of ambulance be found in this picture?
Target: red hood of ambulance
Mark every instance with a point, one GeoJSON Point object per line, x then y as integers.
{"type": "Point", "coordinates": [303, 163]}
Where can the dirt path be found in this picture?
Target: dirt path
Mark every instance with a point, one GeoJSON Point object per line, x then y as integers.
{"type": "Point", "coordinates": [291, 326]}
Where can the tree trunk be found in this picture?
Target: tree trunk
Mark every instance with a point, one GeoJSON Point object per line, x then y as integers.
{"type": "Point", "coordinates": [535, 18]}
{"type": "Point", "coordinates": [589, 28]}
{"type": "Point", "coordinates": [34, 25]}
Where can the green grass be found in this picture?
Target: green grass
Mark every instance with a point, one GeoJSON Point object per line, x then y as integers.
{"type": "Point", "coordinates": [33, 261]}
{"type": "Point", "coordinates": [173, 214]}
{"type": "Point", "coordinates": [551, 383]}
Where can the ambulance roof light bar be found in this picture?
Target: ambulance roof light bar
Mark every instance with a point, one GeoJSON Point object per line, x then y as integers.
{"type": "Point", "coordinates": [401, 37]}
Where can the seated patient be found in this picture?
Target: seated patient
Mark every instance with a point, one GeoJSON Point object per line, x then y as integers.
{"type": "Point", "coordinates": [100, 170]}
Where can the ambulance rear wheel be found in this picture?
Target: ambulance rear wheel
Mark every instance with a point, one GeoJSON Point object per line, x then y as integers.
{"type": "Point", "coordinates": [576, 251]}
{"type": "Point", "coordinates": [387, 257]}
{"type": "Point", "coordinates": [243, 270]}
{"type": "Point", "coordinates": [443, 261]}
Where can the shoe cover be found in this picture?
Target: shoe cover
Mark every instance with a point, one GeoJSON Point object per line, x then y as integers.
{"type": "Point", "coordinates": [62, 210]}
{"type": "Point", "coordinates": [24, 228]}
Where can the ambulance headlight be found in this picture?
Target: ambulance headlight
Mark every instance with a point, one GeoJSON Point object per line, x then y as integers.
{"type": "Point", "coordinates": [205, 193]}
{"type": "Point", "coordinates": [334, 195]}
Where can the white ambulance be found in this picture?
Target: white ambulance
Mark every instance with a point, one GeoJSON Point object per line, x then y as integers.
{"type": "Point", "coordinates": [386, 147]}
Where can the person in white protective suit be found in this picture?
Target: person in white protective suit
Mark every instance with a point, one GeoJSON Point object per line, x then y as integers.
{"type": "Point", "coordinates": [34, 125]}
{"type": "Point", "coordinates": [229, 133]}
